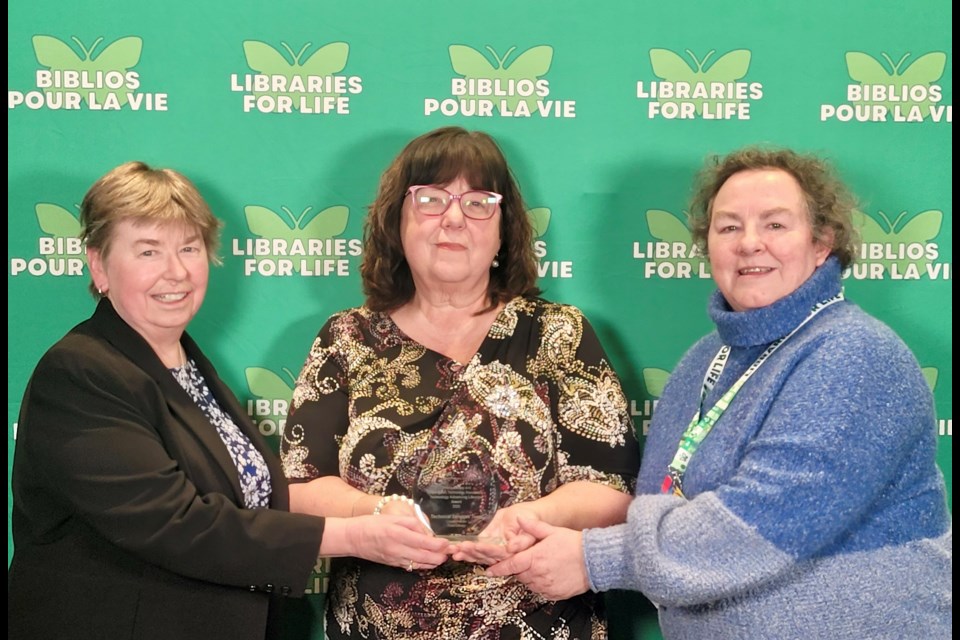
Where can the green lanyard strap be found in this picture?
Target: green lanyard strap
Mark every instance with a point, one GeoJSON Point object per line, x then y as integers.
{"type": "Point", "coordinates": [698, 428]}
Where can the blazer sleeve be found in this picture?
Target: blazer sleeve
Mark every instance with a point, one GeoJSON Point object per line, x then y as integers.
{"type": "Point", "coordinates": [92, 434]}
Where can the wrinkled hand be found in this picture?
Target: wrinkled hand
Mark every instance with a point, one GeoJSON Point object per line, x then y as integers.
{"type": "Point", "coordinates": [500, 539]}
{"type": "Point", "coordinates": [484, 551]}
{"type": "Point", "coordinates": [398, 541]}
{"type": "Point", "coordinates": [553, 567]}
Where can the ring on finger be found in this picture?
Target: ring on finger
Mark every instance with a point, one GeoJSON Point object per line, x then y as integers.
{"type": "Point", "coordinates": [410, 565]}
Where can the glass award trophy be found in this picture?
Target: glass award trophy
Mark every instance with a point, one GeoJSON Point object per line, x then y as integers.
{"type": "Point", "coordinates": [458, 490]}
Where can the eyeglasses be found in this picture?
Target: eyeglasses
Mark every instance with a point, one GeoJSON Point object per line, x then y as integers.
{"type": "Point", "coordinates": [434, 201]}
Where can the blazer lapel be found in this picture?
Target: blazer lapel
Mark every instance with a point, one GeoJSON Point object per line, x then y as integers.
{"type": "Point", "coordinates": [114, 330]}
{"type": "Point", "coordinates": [279, 497]}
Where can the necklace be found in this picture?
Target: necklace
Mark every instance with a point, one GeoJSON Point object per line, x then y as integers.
{"type": "Point", "coordinates": [181, 373]}
{"type": "Point", "coordinates": [181, 356]}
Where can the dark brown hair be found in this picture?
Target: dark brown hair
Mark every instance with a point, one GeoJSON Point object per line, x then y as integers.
{"type": "Point", "coordinates": [439, 157]}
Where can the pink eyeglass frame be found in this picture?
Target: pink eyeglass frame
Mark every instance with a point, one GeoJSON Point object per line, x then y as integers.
{"type": "Point", "coordinates": [454, 196]}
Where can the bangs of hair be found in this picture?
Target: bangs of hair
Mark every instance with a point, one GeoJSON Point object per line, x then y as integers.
{"type": "Point", "coordinates": [133, 191]}
{"type": "Point", "coordinates": [163, 198]}
{"type": "Point", "coordinates": [476, 159]}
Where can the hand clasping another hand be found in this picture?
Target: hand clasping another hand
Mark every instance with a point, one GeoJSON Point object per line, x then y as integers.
{"type": "Point", "coordinates": [553, 567]}
{"type": "Point", "coordinates": [400, 536]}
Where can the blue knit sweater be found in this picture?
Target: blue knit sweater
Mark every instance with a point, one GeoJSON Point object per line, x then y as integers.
{"type": "Point", "coordinates": [814, 508]}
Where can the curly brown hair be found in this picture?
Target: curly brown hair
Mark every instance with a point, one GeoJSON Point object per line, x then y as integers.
{"type": "Point", "coordinates": [136, 191]}
{"type": "Point", "coordinates": [439, 157]}
{"type": "Point", "coordinates": [829, 201]}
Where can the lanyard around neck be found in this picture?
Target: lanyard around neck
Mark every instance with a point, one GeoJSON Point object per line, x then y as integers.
{"type": "Point", "coordinates": [699, 427]}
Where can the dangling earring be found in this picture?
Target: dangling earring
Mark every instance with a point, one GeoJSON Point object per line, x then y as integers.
{"type": "Point", "coordinates": [495, 263]}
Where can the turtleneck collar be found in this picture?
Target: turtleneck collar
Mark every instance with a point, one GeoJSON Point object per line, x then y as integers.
{"type": "Point", "coordinates": [766, 324]}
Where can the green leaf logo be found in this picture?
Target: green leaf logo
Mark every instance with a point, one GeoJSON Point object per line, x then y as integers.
{"type": "Point", "coordinates": [63, 227]}
{"type": "Point", "coordinates": [264, 383]}
{"type": "Point", "coordinates": [655, 380]}
{"type": "Point", "coordinates": [322, 225]}
{"type": "Point", "coordinates": [898, 243]}
{"type": "Point", "coordinates": [57, 221]}
{"type": "Point", "coordinates": [105, 70]}
{"type": "Point", "coordinates": [729, 67]}
{"type": "Point", "coordinates": [286, 244]}
{"type": "Point", "coordinates": [666, 227]}
{"type": "Point", "coordinates": [271, 401]}
{"type": "Point", "coordinates": [907, 82]}
{"type": "Point", "coordinates": [540, 220]}
{"type": "Point", "coordinates": [295, 231]}
{"type": "Point", "coordinates": [302, 75]}
{"type": "Point", "coordinates": [528, 65]}
{"type": "Point", "coordinates": [930, 374]}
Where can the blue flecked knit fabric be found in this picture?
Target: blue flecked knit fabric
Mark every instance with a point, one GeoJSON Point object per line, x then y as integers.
{"type": "Point", "coordinates": [814, 508]}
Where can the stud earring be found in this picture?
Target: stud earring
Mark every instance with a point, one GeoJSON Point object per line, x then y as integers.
{"type": "Point", "coordinates": [495, 263]}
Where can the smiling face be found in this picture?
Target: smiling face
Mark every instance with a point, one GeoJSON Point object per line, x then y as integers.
{"type": "Point", "coordinates": [760, 240]}
{"type": "Point", "coordinates": [155, 276]}
{"type": "Point", "coordinates": [449, 252]}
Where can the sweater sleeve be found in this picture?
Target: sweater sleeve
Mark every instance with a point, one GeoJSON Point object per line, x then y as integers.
{"type": "Point", "coordinates": [845, 429]}
{"type": "Point", "coordinates": [680, 553]}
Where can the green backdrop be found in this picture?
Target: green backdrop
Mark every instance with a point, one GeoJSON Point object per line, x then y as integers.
{"type": "Point", "coordinates": [285, 113]}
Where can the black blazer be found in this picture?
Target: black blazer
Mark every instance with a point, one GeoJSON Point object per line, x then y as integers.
{"type": "Point", "coordinates": [128, 517]}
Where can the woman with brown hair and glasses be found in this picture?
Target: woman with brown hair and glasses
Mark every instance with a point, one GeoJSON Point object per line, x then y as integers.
{"type": "Point", "coordinates": [455, 379]}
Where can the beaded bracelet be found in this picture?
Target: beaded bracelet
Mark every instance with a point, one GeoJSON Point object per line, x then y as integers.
{"type": "Point", "coordinates": [393, 497]}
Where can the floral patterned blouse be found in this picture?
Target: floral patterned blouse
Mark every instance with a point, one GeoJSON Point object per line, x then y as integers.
{"type": "Point", "coordinates": [251, 467]}
{"type": "Point", "coordinates": [539, 395]}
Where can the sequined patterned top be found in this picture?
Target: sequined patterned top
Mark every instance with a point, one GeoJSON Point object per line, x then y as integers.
{"type": "Point", "coordinates": [539, 395]}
